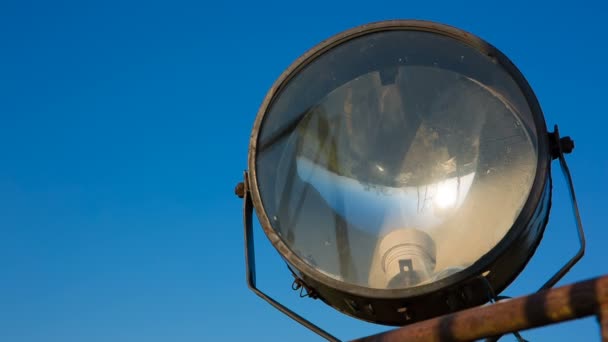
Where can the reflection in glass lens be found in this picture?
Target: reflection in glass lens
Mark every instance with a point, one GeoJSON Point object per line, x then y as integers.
{"type": "Point", "coordinates": [399, 176]}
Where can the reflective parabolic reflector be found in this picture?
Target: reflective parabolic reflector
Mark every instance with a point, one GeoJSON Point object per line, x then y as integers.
{"type": "Point", "coordinates": [396, 159]}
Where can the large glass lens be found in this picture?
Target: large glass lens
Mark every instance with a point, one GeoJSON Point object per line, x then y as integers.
{"type": "Point", "coordinates": [396, 159]}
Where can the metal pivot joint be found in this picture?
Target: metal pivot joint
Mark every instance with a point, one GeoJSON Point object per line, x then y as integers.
{"type": "Point", "coordinates": [560, 145]}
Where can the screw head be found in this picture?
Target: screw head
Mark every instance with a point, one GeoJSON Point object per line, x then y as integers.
{"type": "Point", "coordinates": [566, 144]}
{"type": "Point", "coordinates": [239, 190]}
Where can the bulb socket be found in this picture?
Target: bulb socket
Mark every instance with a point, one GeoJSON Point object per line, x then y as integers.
{"type": "Point", "coordinates": [408, 257]}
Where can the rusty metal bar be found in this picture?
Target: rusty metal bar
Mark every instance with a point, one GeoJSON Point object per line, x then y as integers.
{"type": "Point", "coordinates": [569, 302]}
{"type": "Point", "coordinates": [603, 319]}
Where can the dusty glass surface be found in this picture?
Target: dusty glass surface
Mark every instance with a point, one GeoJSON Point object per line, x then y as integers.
{"type": "Point", "coordinates": [396, 159]}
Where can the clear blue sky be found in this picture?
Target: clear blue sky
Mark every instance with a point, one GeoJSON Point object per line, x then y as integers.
{"type": "Point", "coordinates": [124, 128]}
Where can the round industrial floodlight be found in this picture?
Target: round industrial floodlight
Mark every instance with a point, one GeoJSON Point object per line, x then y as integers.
{"type": "Point", "coordinates": [401, 169]}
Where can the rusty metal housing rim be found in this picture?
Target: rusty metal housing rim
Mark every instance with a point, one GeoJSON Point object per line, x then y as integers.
{"type": "Point", "coordinates": [487, 260]}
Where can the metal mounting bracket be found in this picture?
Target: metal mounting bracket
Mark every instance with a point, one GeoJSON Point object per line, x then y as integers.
{"type": "Point", "coordinates": [242, 191]}
{"type": "Point", "coordinates": [559, 147]}
{"type": "Point", "coordinates": [562, 146]}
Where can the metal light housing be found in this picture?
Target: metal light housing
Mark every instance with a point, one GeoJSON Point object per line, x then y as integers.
{"type": "Point", "coordinates": [360, 128]}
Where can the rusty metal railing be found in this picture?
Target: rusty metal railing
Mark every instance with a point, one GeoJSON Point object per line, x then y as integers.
{"type": "Point", "coordinates": [565, 303]}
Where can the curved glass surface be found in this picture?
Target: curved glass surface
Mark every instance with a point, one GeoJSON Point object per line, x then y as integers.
{"type": "Point", "coordinates": [396, 159]}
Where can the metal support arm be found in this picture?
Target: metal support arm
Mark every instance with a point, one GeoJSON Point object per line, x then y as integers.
{"type": "Point", "coordinates": [243, 191]}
